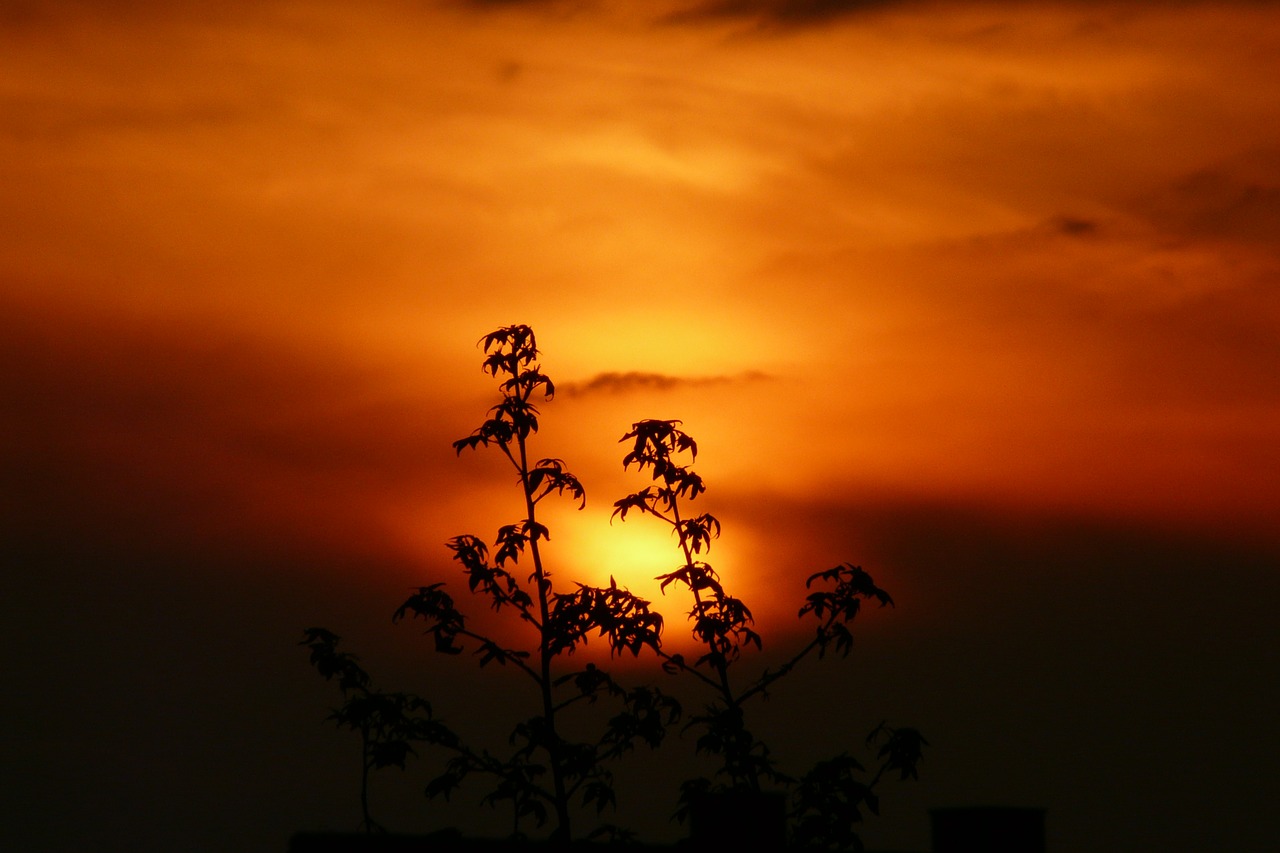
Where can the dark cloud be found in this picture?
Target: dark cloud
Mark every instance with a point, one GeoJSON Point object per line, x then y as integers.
{"type": "Point", "coordinates": [782, 12]}
{"type": "Point", "coordinates": [634, 381]}
{"type": "Point", "coordinates": [1217, 203]}
{"type": "Point", "coordinates": [1074, 226]}
{"type": "Point", "coordinates": [766, 13]}
{"type": "Point", "coordinates": [799, 13]}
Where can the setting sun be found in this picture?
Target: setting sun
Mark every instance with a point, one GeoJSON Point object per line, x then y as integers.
{"type": "Point", "coordinates": [586, 548]}
{"type": "Point", "coordinates": [632, 553]}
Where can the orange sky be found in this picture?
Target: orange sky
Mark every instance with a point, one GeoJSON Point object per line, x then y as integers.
{"type": "Point", "coordinates": [982, 255]}
{"type": "Point", "coordinates": [1018, 257]}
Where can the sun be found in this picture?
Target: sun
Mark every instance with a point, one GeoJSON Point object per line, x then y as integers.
{"type": "Point", "coordinates": [631, 554]}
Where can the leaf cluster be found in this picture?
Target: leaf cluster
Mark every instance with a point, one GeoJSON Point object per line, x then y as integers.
{"type": "Point", "coordinates": [829, 801]}
{"type": "Point", "coordinates": [837, 607]}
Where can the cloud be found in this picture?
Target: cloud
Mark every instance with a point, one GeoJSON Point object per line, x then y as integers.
{"type": "Point", "coordinates": [781, 12]}
{"type": "Point", "coordinates": [636, 381]}
{"type": "Point", "coordinates": [1222, 202]}
{"type": "Point", "coordinates": [1074, 226]}
{"type": "Point", "coordinates": [776, 15]}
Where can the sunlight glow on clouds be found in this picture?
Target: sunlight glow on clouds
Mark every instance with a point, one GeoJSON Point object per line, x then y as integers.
{"type": "Point", "coordinates": [977, 252]}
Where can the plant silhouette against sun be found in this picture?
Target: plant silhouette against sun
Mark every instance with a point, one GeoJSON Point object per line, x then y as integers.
{"type": "Point", "coordinates": [546, 773]}
{"type": "Point", "coordinates": [828, 800]}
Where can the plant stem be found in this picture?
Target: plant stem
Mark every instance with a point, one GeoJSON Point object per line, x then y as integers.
{"type": "Point", "coordinates": [364, 779]}
{"type": "Point", "coordinates": [720, 660]}
{"type": "Point", "coordinates": [562, 832]}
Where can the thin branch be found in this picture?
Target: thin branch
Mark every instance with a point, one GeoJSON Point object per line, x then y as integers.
{"type": "Point", "coordinates": [509, 654]}
{"type": "Point", "coordinates": [768, 678]}
{"type": "Point", "coordinates": [678, 661]}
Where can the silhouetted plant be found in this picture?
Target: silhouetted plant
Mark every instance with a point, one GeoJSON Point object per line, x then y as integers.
{"type": "Point", "coordinates": [546, 772]}
{"type": "Point", "coordinates": [827, 800]}
{"type": "Point", "coordinates": [389, 723]}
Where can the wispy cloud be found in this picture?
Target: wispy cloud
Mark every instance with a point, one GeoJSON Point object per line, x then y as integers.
{"type": "Point", "coordinates": [636, 381]}
{"type": "Point", "coordinates": [777, 12]}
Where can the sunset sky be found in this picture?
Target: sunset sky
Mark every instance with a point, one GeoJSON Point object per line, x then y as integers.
{"type": "Point", "coordinates": [984, 297]}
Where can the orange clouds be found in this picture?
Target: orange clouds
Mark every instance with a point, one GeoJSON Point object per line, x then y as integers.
{"type": "Point", "coordinates": [1015, 252]}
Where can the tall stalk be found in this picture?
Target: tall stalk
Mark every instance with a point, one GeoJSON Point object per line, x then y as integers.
{"type": "Point", "coordinates": [562, 619]}
{"type": "Point", "coordinates": [546, 655]}
{"type": "Point", "coordinates": [827, 797]}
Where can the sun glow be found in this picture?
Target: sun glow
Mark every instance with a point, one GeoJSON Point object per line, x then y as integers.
{"type": "Point", "coordinates": [633, 554]}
